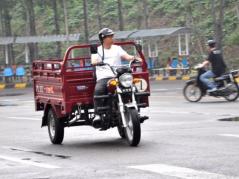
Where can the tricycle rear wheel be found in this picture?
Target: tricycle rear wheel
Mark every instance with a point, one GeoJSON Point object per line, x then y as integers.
{"type": "Point", "coordinates": [55, 128]}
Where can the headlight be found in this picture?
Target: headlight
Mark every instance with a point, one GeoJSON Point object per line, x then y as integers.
{"type": "Point", "coordinates": [126, 80]}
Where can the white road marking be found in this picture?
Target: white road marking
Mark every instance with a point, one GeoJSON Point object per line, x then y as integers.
{"type": "Point", "coordinates": [167, 112]}
{"type": "Point", "coordinates": [30, 101]}
{"type": "Point", "coordinates": [154, 90]}
{"type": "Point", "coordinates": [29, 106]}
{"type": "Point", "coordinates": [229, 135]}
{"type": "Point", "coordinates": [166, 89]}
{"type": "Point", "coordinates": [158, 111]}
{"type": "Point", "coordinates": [181, 123]}
{"type": "Point", "coordinates": [155, 111]}
{"type": "Point", "coordinates": [8, 100]}
{"type": "Point", "coordinates": [170, 112]}
{"type": "Point", "coordinates": [180, 172]}
{"type": "Point", "coordinates": [36, 164]}
{"type": "Point", "coordinates": [165, 96]}
{"type": "Point", "coordinates": [25, 118]}
{"type": "Point", "coordinates": [17, 100]}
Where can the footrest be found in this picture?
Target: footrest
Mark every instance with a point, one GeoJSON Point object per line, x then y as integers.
{"type": "Point", "coordinates": [142, 105]}
{"type": "Point", "coordinates": [101, 97]}
{"type": "Point", "coordinates": [143, 118]}
{"type": "Point", "coordinates": [142, 94]}
{"type": "Point", "coordinates": [105, 108]}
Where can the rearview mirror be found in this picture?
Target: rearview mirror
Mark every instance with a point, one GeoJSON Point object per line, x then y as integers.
{"type": "Point", "coordinates": [93, 49]}
{"type": "Point", "coordinates": [138, 47]}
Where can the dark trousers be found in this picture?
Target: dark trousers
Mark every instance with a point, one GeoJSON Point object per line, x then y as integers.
{"type": "Point", "coordinates": [100, 89]}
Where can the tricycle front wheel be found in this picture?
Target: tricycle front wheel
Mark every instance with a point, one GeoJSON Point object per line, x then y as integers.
{"type": "Point", "coordinates": [121, 132]}
{"type": "Point", "coordinates": [55, 128]}
{"type": "Point", "coordinates": [133, 129]}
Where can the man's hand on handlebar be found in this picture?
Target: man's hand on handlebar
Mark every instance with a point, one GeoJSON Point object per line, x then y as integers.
{"type": "Point", "coordinates": [137, 59]}
{"type": "Point", "coordinates": [96, 62]}
{"type": "Point", "coordinates": [99, 64]}
{"type": "Point", "coordinates": [198, 66]}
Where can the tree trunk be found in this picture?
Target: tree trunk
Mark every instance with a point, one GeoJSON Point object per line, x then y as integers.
{"type": "Point", "coordinates": [1, 33]}
{"type": "Point", "coordinates": [214, 18]}
{"type": "Point", "coordinates": [98, 11]}
{"type": "Point", "coordinates": [57, 27]}
{"type": "Point", "coordinates": [218, 22]}
{"type": "Point", "coordinates": [66, 20]}
{"type": "Point", "coordinates": [7, 32]}
{"type": "Point", "coordinates": [146, 14]}
{"type": "Point", "coordinates": [190, 23]}
{"type": "Point", "coordinates": [139, 16]}
{"type": "Point", "coordinates": [85, 5]}
{"type": "Point", "coordinates": [1, 21]}
{"type": "Point", "coordinates": [30, 29]}
{"type": "Point", "coordinates": [120, 13]}
{"type": "Point", "coordinates": [237, 11]}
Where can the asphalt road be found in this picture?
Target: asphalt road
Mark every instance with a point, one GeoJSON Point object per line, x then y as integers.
{"type": "Point", "coordinates": [180, 140]}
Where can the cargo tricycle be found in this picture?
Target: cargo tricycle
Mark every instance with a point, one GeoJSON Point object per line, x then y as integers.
{"type": "Point", "coordinates": [64, 91]}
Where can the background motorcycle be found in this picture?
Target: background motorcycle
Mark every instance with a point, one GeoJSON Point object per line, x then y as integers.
{"type": "Point", "coordinates": [227, 86]}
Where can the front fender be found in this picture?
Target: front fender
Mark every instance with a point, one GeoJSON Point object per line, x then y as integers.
{"type": "Point", "coordinates": [47, 107]}
{"type": "Point", "coordinates": [44, 118]}
{"type": "Point", "coordinates": [192, 81]}
{"type": "Point", "coordinates": [130, 105]}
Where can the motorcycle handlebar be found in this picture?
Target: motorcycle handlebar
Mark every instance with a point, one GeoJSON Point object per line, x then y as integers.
{"type": "Point", "coordinates": [105, 64]}
{"type": "Point", "coordinates": [100, 64]}
{"type": "Point", "coordinates": [198, 66]}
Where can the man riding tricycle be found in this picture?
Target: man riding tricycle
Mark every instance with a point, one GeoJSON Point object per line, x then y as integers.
{"type": "Point", "coordinates": [95, 90]}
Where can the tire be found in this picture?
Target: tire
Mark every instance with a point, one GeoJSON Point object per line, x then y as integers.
{"type": "Point", "coordinates": [192, 89]}
{"type": "Point", "coordinates": [133, 130]}
{"type": "Point", "coordinates": [234, 95]}
{"type": "Point", "coordinates": [55, 128]}
{"type": "Point", "coordinates": [121, 132]}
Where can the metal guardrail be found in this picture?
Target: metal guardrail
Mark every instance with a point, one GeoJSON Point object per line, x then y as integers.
{"type": "Point", "coordinates": [171, 71]}
{"type": "Point", "coordinates": [15, 79]}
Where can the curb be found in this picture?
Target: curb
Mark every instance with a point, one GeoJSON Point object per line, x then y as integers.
{"type": "Point", "coordinates": [170, 78]}
{"type": "Point", "coordinates": [173, 78]}
{"type": "Point", "coordinates": [14, 85]}
{"type": "Point", "coordinates": [2, 86]}
{"type": "Point", "coordinates": [20, 85]}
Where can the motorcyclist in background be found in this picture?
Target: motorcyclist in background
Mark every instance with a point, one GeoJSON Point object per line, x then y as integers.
{"type": "Point", "coordinates": [218, 66]}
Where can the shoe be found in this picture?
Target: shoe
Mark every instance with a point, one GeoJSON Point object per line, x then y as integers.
{"type": "Point", "coordinates": [212, 90]}
{"type": "Point", "coordinates": [228, 85]}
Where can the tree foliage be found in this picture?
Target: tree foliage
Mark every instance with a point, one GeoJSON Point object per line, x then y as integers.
{"type": "Point", "coordinates": [196, 14]}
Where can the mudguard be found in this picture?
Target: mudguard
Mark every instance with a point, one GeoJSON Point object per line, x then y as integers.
{"type": "Point", "coordinates": [191, 81]}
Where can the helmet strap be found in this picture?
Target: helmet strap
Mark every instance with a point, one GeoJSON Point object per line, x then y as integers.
{"type": "Point", "coordinates": [103, 52]}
